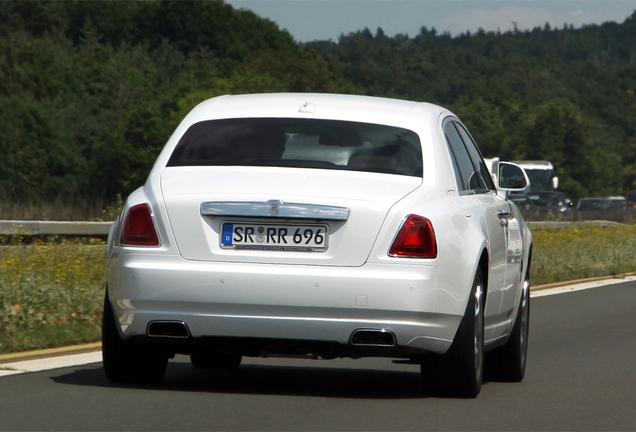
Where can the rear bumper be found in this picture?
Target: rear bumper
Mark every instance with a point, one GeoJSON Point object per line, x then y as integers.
{"type": "Point", "coordinates": [304, 303]}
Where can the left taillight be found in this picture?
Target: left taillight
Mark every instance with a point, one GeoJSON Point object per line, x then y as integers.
{"type": "Point", "coordinates": [138, 229]}
{"type": "Point", "coordinates": [416, 239]}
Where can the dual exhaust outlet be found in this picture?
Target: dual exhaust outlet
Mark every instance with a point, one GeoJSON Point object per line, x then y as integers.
{"type": "Point", "coordinates": [373, 337]}
{"type": "Point", "coordinates": [360, 337]}
{"type": "Point", "coordinates": [168, 329]}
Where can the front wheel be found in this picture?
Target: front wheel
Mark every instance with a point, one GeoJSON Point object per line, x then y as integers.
{"type": "Point", "coordinates": [128, 361]}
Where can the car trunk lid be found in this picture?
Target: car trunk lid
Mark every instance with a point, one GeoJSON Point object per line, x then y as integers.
{"type": "Point", "coordinates": [346, 208]}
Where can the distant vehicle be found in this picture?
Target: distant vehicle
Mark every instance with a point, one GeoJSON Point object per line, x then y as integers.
{"type": "Point", "coordinates": [552, 202]}
{"type": "Point", "coordinates": [523, 201]}
{"type": "Point", "coordinates": [617, 203]}
{"type": "Point", "coordinates": [541, 175]}
{"type": "Point", "coordinates": [602, 204]}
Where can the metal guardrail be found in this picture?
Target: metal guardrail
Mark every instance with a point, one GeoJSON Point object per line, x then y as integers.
{"type": "Point", "coordinates": [15, 227]}
{"type": "Point", "coordinates": [565, 224]}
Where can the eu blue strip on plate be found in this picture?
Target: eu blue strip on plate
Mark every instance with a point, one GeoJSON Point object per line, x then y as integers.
{"type": "Point", "coordinates": [227, 233]}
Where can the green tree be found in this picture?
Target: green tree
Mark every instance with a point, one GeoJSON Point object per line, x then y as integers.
{"type": "Point", "coordinates": [486, 122]}
{"type": "Point", "coordinates": [558, 131]}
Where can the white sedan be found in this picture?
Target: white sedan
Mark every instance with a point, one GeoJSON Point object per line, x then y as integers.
{"type": "Point", "coordinates": [320, 226]}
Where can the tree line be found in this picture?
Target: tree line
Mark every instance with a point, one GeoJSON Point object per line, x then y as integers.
{"type": "Point", "coordinates": [564, 95]}
{"type": "Point", "coordinates": [90, 91]}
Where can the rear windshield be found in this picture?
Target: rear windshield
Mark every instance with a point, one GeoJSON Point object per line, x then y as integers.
{"type": "Point", "coordinates": [301, 143]}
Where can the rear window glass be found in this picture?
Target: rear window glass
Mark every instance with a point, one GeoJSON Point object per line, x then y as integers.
{"type": "Point", "coordinates": [301, 143]}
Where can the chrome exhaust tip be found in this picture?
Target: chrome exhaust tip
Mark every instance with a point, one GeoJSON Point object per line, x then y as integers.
{"type": "Point", "coordinates": [170, 329]}
{"type": "Point", "coordinates": [373, 337]}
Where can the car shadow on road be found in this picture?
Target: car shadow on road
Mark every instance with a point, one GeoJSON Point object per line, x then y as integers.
{"type": "Point", "coordinates": [273, 380]}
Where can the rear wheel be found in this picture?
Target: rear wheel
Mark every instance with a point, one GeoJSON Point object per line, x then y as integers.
{"type": "Point", "coordinates": [128, 361]}
{"type": "Point", "coordinates": [460, 371]}
{"type": "Point", "coordinates": [508, 363]}
{"type": "Point", "coordinates": [215, 360]}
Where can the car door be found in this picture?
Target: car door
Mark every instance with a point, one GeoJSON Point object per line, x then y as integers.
{"type": "Point", "coordinates": [507, 218]}
{"type": "Point", "coordinates": [477, 190]}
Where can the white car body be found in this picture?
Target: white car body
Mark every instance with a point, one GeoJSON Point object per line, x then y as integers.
{"type": "Point", "coordinates": [232, 294]}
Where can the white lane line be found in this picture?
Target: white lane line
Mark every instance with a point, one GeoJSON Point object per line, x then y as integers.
{"type": "Point", "coordinates": [43, 364]}
{"type": "Point", "coordinates": [580, 286]}
{"type": "Point", "coordinates": [39, 365]}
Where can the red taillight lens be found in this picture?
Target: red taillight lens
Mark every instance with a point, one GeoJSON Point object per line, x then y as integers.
{"type": "Point", "coordinates": [138, 228]}
{"type": "Point", "coordinates": [416, 239]}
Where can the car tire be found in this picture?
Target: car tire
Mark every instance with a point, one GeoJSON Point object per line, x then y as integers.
{"type": "Point", "coordinates": [215, 360]}
{"type": "Point", "coordinates": [459, 372]}
{"type": "Point", "coordinates": [508, 363]}
{"type": "Point", "coordinates": [128, 362]}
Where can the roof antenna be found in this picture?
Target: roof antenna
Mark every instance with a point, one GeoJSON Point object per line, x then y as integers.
{"type": "Point", "coordinates": [308, 107]}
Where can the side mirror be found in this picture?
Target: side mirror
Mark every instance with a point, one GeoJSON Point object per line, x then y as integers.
{"type": "Point", "coordinates": [512, 178]}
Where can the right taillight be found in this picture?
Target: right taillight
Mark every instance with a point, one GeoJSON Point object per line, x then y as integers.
{"type": "Point", "coordinates": [138, 229]}
{"type": "Point", "coordinates": [416, 239]}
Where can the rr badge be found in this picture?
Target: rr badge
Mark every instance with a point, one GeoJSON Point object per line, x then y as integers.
{"type": "Point", "coordinates": [274, 207]}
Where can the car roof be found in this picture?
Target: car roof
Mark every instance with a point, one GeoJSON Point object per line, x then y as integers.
{"type": "Point", "coordinates": [366, 109]}
{"type": "Point", "coordinates": [545, 193]}
{"type": "Point", "coordinates": [604, 199]}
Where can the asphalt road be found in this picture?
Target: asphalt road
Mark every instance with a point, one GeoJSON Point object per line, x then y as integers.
{"type": "Point", "coordinates": [581, 376]}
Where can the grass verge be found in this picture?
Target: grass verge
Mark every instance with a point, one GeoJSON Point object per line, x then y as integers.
{"type": "Point", "coordinates": [51, 293]}
{"type": "Point", "coordinates": [582, 251]}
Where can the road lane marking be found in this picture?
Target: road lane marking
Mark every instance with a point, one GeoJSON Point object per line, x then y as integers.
{"type": "Point", "coordinates": [580, 286]}
{"type": "Point", "coordinates": [43, 364]}
{"type": "Point", "coordinates": [50, 352]}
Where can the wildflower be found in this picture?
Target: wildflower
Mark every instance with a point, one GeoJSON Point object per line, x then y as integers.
{"type": "Point", "coordinates": [17, 307]}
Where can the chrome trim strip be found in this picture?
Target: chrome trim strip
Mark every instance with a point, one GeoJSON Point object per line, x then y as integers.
{"type": "Point", "coordinates": [275, 208]}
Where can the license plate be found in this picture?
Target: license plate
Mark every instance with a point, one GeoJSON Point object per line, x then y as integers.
{"type": "Point", "coordinates": [282, 237]}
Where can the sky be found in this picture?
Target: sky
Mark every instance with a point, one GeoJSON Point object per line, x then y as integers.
{"type": "Point", "coordinates": [308, 20]}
